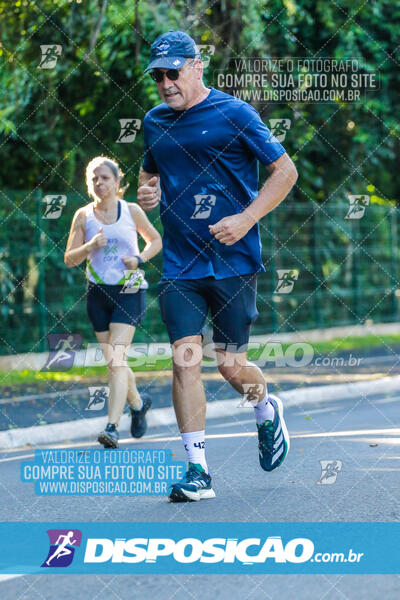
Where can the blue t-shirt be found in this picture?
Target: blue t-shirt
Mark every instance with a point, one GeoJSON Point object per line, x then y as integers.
{"type": "Point", "coordinates": [206, 157]}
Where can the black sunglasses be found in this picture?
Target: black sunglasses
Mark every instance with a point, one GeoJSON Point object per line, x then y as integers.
{"type": "Point", "coordinates": [157, 75]}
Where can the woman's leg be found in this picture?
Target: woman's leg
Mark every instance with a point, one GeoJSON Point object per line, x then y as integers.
{"type": "Point", "coordinates": [134, 399]}
{"type": "Point", "coordinates": [115, 344]}
{"type": "Point", "coordinates": [120, 338]}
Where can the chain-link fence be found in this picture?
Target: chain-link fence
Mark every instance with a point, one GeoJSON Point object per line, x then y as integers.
{"type": "Point", "coordinates": [327, 264]}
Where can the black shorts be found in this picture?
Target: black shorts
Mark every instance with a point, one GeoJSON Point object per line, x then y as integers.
{"type": "Point", "coordinates": [185, 303]}
{"type": "Point", "coordinates": [106, 304]}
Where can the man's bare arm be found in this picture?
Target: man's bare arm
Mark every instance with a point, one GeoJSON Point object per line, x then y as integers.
{"type": "Point", "coordinates": [283, 177]}
{"type": "Point", "coordinates": [275, 189]}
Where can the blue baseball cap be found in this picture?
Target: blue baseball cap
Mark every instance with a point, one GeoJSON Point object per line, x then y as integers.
{"type": "Point", "coordinates": [170, 50]}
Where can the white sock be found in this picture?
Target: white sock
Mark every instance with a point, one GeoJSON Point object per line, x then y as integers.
{"type": "Point", "coordinates": [194, 443]}
{"type": "Point", "coordinates": [264, 411]}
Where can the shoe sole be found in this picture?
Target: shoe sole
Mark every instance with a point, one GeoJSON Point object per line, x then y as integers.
{"type": "Point", "coordinates": [186, 496]}
{"type": "Point", "coordinates": [107, 441]}
{"type": "Point", "coordinates": [284, 432]}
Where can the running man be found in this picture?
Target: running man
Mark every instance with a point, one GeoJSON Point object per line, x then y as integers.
{"type": "Point", "coordinates": [104, 233]}
{"type": "Point", "coordinates": [62, 549]}
{"type": "Point", "coordinates": [65, 349]}
{"type": "Point", "coordinates": [203, 141]}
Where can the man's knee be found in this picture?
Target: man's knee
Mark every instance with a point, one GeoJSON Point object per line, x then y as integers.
{"type": "Point", "coordinates": [187, 354]}
{"type": "Point", "coordinates": [230, 365]}
{"type": "Point", "coordinates": [230, 373]}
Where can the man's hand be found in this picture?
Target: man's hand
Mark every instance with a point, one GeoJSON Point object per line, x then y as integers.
{"type": "Point", "coordinates": [230, 230]}
{"type": "Point", "coordinates": [131, 262]}
{"type": "Point", "coordinates": [98, 241]}
{"type": "Point", "coordinates": [148, 195]}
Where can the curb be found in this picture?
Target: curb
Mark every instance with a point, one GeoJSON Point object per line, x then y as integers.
{"type": "Point", "coordinates": [83, 428]}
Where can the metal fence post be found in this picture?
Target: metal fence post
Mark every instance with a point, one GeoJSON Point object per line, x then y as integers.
{"type": "Point", "coordinates": [40, 254]}
{"type": "Point", "coordinates": [315, 259]}
{"type": "Point", "coordinates": [271, 227]}
{"type": "Point", "coordinates": [354, 268]}
{"type": "Point", "coordinates": [393, 258]}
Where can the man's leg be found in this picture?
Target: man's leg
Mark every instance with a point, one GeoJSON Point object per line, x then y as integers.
{"type": "Point", "coordinates": [190, 410]}
{"type": "Point", "coordinates": [184, 311]}
{"type": "Point", "coordinates": [247, 379]}
{"type": "Point", "coordinates": [189, 398]}
{"type": "Point", "coordinates": [233, 309]}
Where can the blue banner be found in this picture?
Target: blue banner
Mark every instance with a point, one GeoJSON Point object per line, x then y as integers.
{"type": "Point", "coordinates": [215, 548]}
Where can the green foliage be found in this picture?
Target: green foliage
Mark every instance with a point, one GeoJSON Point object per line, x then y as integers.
{"type": "Point", "coordinates": [53, 121]}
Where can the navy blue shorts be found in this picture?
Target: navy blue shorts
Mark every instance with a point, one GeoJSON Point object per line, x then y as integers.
{"type": "Point", "coordinates": [106, 304]}
{"type": "Point", "coordinates": [185, 304]}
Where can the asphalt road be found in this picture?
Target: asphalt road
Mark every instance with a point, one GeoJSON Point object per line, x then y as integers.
{"type": "Point", "coordinates": [362, 434]}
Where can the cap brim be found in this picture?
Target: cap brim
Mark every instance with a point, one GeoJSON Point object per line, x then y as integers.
{"type": "Point", "coordinates": [167, 62]}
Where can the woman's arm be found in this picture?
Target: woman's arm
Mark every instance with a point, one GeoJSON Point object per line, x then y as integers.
{"type": "Point", "coordinates": [148, 233]}
{"type": "Point", "coordinates": [77, 250]}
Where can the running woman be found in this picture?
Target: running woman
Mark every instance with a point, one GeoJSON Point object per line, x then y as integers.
{"type": "Point", "coordinates": [202, 147]}
{"type": "Point", "coordinates": [104, 233]}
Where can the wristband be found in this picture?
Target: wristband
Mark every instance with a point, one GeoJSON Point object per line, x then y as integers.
{"type": "Point", "coordinates": [140, 260]}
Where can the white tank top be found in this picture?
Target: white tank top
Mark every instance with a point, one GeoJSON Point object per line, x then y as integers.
{"type": "Point", "coordinates": [105, 265]}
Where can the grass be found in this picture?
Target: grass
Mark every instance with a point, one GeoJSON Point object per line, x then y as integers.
{"type": "Point", "coordinates": [83, 374]}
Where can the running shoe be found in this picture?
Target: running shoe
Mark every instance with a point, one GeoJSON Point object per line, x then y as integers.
{"type": "Point", "coordinates": [139, 423]}
{"type": "Point", "coordinates": [109, 437]}
{"type": "Point", "coordinates": [195, 486]}
{"type": "Point", "coordinates": [273, 438]}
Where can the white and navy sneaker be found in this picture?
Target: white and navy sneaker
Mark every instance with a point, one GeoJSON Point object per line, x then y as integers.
{"type": "Point", "coordinates": [195, 486]}
{"type": "Point", "coordinates": [273, 438]}
{"type": "Point", "coordinates": [138, 422]}
{"type": "Point", "coordinates": [109, 437]}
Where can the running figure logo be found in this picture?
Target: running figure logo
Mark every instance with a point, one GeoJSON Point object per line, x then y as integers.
{"type": "Point", "coordinates": [357, 206]}
{"type": "Point", "coordinates": [279, 129]}
{"type": "Point", "coordinates": [54, 206]}
{"type": "Point", "coordinates": [204, 204]}
{"type": "Point", "coordinates": [62, 547]}
{"type": "Point", "coordinates": [133, 279]}
{"type": "Point", "coordinates": [206, 52]}
{"type": "Point", "coordinates": [98, 397]}
{"type": "Point", "coordinates": [129, 129]}
{"type": "Point", "coordinates": [287, 278]}
{"type": "Point", "coordinates": [251, 395]}
{"type": "Point", "coordinates": [63, 347]}
{"type": "Point", "coordinates": [50, 54]}
{"type": "Point", "coordinates": [329, 471]}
